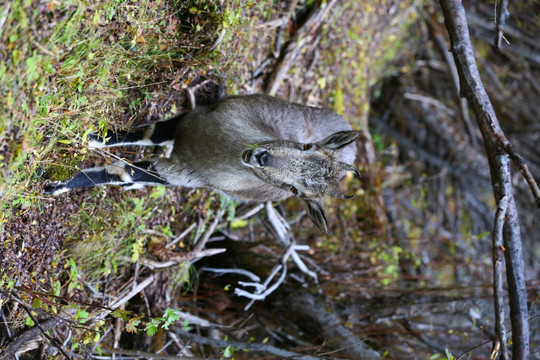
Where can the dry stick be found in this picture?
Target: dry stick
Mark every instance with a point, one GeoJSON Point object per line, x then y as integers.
{"type": "Point", "coordinates": [455, 77]}
{"type": "Point", "coordinates": [499, 343]}
{"type": "Point", "coordinates": [472, 88]}
{"type": "Point", "coordinates": [182, 258]}
{"type": "Point", "coordinates": [50, 323]}
{"type": "Point", "coordinates": [27, 336]}
{"type": "Point", "coordinates": [500, 17]}
{"type": "Point", "coordinates": [125, 298]}
{"type": "Point", "coordinates": [181, 236]}
{"type": "Point", "coordinates": [267, 348]}
{"type": "Point", "coordinates": [294, 45]}
{"type": "Point", "coordinates": [202, 242]}
{"type": "Point", "coordinates": [149, 355]}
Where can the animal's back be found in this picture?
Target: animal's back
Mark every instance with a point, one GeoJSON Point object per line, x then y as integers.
{"type": "Point", "coordinates": [209, 141]}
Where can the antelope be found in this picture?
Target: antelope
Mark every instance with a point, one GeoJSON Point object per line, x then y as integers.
{"type": "Point", "coordinates": [253, 148]}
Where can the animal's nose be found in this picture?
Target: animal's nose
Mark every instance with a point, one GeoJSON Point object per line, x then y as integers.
{"type": "Point", "coordinates": [263, 158]}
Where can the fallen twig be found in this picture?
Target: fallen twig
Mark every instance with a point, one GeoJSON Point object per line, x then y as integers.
{"type": "Point", "coordinates": [125, 298]}
{"type": "Point", "coordinates": [297, 40]}
{"type": "Point", "coordinates": [181, 236]}
{"type": "Point", "coordinates": [200, 243]}
{"type": "Point", "coordinates": [221, 344]}
{"type": "Point", "coordinates": [191, 256]}
{"type": "Point", "coordinates": [32, 333]}
{"type": "Point", "coordinates": [149, 355]}
{"type": "Point", "coordinates": [262, 290]}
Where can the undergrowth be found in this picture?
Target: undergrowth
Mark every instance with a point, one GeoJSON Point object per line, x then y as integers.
{"type": "Point", "coordinates": [75, 67]}
{"type": "Point", "coordinates": [67, 70]}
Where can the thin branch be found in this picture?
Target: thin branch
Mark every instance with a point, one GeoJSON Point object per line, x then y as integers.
{"type": "Point", "coordinates": [501, 9]}
{"type": "Point", "coordinates": [243, 272]}
{"type": "Point", "coordinates": [472, 88]}
{"type": "Point", "coordinates": [499, 343]}
{"type": "Point", "coordinates": [4, 320]}
{"type": "Point", "coordinates": [149, 355]}
{"type": "Point", "coordinates": [4, 17]}
{"type": "Point", "coordinates": [202, 242]}
{"type": "Point", "coordinates": [47, 325]}
{"type": "Point", "coordinates": [191, 256]}
{"type": "Point", "coordinates": [265, 348]}
{"type": "Point", "coordinates": [11, 349]}
{"type": "Point", "coordinates": [262, 290]}
{"type": "Point", "coordinates": [298, 39]}
{"type": "Point", "coordinates": [125, 298]}
{"type": "Point", "coordinates": [455, 77]}
{"type": "Point", "coordinates": [282, 230]}
{"type": "Point", "coordinates": [181, 236]}
{"type": "Point", "coordinates": [519, 162]}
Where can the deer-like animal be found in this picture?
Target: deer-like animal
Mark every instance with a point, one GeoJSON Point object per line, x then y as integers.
{"type": "Point", "coordinates": [253, 148]}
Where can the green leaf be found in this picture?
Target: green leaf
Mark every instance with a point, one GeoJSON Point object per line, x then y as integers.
{"type": "Point", "coordinates": [82, 315]}
{"type": "Point", "coordinates": [152, 327]}
{"type": "Point", "coordinates": [16, 57]}
{"type": "Point", "coordinates": [170, 316]}
{"type": "Point", "coordinates": [36, 304]}
{"type": "Point", "coordinates": [121, 314]}
{"type": "Point", "coordinates": [228, 352]}
{"type": "Point", "coordinates": [158, 192]}
{"type": "Point", "coordinates": [29, 322]}
{"type": "Point", "coordinates": [239, 224]}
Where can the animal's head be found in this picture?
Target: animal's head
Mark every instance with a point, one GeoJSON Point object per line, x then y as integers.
{"type": "Point", "coordinates": [309, 171]}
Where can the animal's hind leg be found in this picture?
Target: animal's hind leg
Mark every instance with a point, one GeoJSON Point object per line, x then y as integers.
{"type": "Point", "coordinates": [161, 133]}
{"type": "Point", "coordinates": [130, 176]}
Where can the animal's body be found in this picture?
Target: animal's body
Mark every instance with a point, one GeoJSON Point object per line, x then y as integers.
{"type": "Point", "coordinates": [254, 148]}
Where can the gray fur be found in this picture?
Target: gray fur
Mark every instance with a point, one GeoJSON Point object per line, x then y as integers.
{"type": "Point", "coordinates": [222, 147]}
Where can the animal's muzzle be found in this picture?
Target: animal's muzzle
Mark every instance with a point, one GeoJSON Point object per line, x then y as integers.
{"type": "Point", "coordinates": [258, 157]}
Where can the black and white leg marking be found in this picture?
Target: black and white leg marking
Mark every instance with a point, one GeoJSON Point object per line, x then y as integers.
{"type": "Point", "coordinates": [161, 134]}
{"type": "Point", "coordinates": [129, 176]}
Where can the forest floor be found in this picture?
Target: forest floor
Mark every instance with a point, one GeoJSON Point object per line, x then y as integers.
{"type": "Point", "coordinates": [405, 269]}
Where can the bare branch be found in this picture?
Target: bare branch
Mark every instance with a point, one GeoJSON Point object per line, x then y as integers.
{"type": "Point", "coordinates": [267, 348]}
{"type": "Point", "coordinates": [499, 343]}
{"type": "Point", "coordinates": [519, 162]}
{"type": "Point", "coordinates": [42, 327]}
{"type": "Point", "coordinates": [200, 244]}
{"type": "Point", "coordinates": [295, 44]}
{"type": "Point", "coordinates": [471, 87]}
{"type": "Point", "coordinates": [144, 354]}
{"type": "Point", "coordinates": [501, 9]}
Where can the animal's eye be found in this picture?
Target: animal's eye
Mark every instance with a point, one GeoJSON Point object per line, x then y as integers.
{"type": "Point", "coordinates": [294, 190]}
{"type": "Point", "coordinates": [307, 146]}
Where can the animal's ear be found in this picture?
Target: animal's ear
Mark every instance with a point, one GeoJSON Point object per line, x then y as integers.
{"type": "Point", "coordinates": [315, 211]}
{"type": "Point", "coordinates": [339, 139]}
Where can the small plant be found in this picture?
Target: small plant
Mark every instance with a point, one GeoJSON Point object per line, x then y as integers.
{"type": "Point", "coordinates": [228, 353]}
{"type": "Point", "coordinates": [170, 316]}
